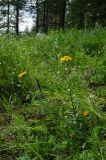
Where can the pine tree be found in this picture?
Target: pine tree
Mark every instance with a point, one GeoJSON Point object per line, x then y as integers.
{"type": "Point", "coordinates": [19, 5]}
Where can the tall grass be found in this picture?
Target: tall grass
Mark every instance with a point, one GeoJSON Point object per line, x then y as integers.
{"type": "Point", "coordinates": [55, 110]}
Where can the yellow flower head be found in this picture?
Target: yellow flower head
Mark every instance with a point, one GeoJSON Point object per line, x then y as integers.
{"type": "Point", "coordinates": [85, 113]}
{"type": "Point", "coordinates": [22, 74]}
{"type": "Point", "coordinates": [66, 59]}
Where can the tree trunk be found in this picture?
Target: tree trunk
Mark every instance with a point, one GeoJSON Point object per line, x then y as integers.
{"type": "Point", "coordinates": [82, 8]}
{"type": "Point", "coordinates": [17, 20]}
{"type": "Point", "coordinates": [37, 18]}
{"type": "Point", "coordinates": [8, 16]}
{"type": "Point", "coordinates": [45, 17]}
{"type": "Point", "coordinates": [46, 20]}
{"type": "Point", "coordinates": [62, 15]}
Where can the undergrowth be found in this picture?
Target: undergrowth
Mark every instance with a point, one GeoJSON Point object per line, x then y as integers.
{"type": "Point", "coordinates": [52, 109]}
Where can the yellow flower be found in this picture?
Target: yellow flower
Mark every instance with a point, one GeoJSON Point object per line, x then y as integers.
{"type": "Point", "coordinates": [85, 113]}
{"type": "Point", "coordinates": [22, 74]}
{"type": "Point", "coordinates": [66, 59]}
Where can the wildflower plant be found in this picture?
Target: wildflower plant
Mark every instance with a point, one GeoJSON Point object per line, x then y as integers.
{"type": "Point", "coordinates": [22, 74]}
{"type": "Point", "coordinates": [66, 59]}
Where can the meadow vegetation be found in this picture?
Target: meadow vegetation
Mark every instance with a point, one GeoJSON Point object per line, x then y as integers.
{"type": "Point", "coordinates": [53, 107]}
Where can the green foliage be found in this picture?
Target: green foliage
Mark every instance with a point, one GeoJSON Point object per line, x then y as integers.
{"type": "Point", "coordinates": [57, 109]}
{"type": "Point", "coordinates": [86, 13]}
{"type": "Point", "coordinates": [25, 157]}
